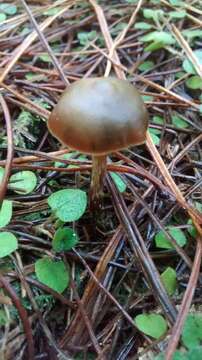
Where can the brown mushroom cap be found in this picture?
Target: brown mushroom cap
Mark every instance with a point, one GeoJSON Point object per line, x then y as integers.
{"type": "Point", "coordinates": [99, 115]}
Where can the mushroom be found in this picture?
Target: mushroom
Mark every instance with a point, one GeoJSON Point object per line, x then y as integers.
{"type": "Point", "coordinates": [97, 116]}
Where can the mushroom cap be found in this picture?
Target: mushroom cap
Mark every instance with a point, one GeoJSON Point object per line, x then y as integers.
{"type": "Point", "coordinates": [99, 115]}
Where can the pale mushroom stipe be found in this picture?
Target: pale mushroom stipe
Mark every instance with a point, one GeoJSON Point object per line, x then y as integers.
{"type": "Point", "coordinates": [97, 116]}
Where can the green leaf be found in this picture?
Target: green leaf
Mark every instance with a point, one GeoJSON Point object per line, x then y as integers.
{"type": "Point", "coordinates": [132, 1]}
{"type": "Point", "coordinates": [179, 14]}
{"type": "Point", "coordinates": [159, 40]}
{"type": "Point", "coordinates": [146, 65]}
{"type": "Point", "coordinates": [2, 17]}
{"type": "Point", "coordinates": [64, 239]}
{"type": "Point", "coordinates": [8, 9]}
{"type": "Point", "coordinates": [2, 171]}
{"type": "Point", "coordinates": [45, 58]}
{"type": "Point", "coordinates": [192, 34]}
{"type": "Point", "coordinates": [155, 131]}
{"type": "Point", "coordinates": [192, 331]}
{"type": "Point", "coordinates": [187, 65]}
{"type": "Point", "coordinates": [80, 158]}
{"type": "Point", "coordinates": [30, 76]}
{"type": "Point", "coordinates": [85, 37]}
{"type": "Point", "coordinates": [34, 77]}
{"type": "Point", "coordinates": [194, 82]}
{"type": "Point", "coordinates": [42, 103]}
{"type": "Point", "coordinates": [8, 243]}
{"type": "Point", "coordinates": [119, 27]}
{"type": "Point", "coordinates": [52, 273]}
{"type": "Point", "coordinates": [51, 12]}
{"type": "Point", "coordinates": [3, 318]}
{"type": "Point", "coordinates": [169, 279]}
{"type": "Point", "coordinates": [147, 97]}
{"type": "Point", "coordinates": [153, 14]}
{"type": "Point", "coordinates": [68, 205]}
{"type": "Point", "coordinates": [198, 206]}
{"type": "Point", "coordinates": [178, 122]}
{"type": "Point", "coordinates": [158, 120]}
{"type": "Point", "coordinates": [194, 354]}
{"type": "Point", "coordinates": [23, 182]}
{"type": "Point", "coordinates": [153, 325]}
{"type": "Point", "coordinates": [162, 241]}
{"type": "Point", "coordinates": [156, 45]}
{"type": "Point", "coordinates": [6, 212]}
{"type": "Point", "coordinates": [67, 156]}
{"type": "Point", "coordinates": [178, 355]}
{"type": "Point", "coordinates": [192, 230]}
{"type": "Point", "coordinates": [155, 138]}
{"type": "Point", "coordinates": [160, 357]}
{"type": "Point", "coordinates": [179, 74]}
{"type": "Point", "coordinates": [176, 2]}
{"type": "Point", "coordinates": [158, 36]}
{"type": "Point", "coordinates": [120, 184]}
{"type": "Point", "coordinates": [88, 355]}
{"type": "Point", "coordinates": [142, 26]}
{"type": "Point", "coordinates": [25, 30]}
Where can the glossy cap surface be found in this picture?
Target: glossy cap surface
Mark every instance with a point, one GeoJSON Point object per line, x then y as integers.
{"type": "Point", "coordinates": [99, 115]}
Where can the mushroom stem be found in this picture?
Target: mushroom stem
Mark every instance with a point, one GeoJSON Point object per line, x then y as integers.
{"type": "Point", "coordinates": [98, 174]}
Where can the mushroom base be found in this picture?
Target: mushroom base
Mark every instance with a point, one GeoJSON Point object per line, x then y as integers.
{"type": "Point", "coordinates": [97, 179]}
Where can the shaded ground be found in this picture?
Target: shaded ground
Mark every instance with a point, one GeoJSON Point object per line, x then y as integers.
{"type": "Point", "coordinates": [142, 253]}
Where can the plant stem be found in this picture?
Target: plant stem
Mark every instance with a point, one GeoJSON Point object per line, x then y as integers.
{"type": "Point", "coordinates": [97, 178]}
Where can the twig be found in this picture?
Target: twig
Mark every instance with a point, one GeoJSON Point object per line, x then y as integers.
{"type": "Point", "coordinates": [197, 219]}
{"type": "Point", "coordinates": [45, 328]}
{"type": "Point", "coordinates": [28, 41]}
{"type": "Point", "coordinates": [159, 223]}
{"type": "Point", "coordinates": [107, 36]}
{"type": "Point", "coordinates": [110, 296]}
{"type": "Point", "coordinates": [121, 36]}
{"type": "Point", "coordinates": [4, 182]}
{"type": "Point", "coordinates": [185, 46]}
{"type": "Point", "coordinates": [43, 112]}
{"type": "Point", "coordinates": [46, 289]}
{"type": "Point", "coordinates": [141, 253]}
{"type": "Point", "coordinates": [186, 303]}
{"type": "Point", "coordinates": [166, 91]}
{"type": "Point", "coordinates": [86, 320]}
{"type": "Point", "coordinates": [23, 315]}
{"type": "Point", "coordinates": [195, 216]}
{"type": "Point", "coordinates": [183, 152]}
{"type": "Point", "coordinates": [45, 43]}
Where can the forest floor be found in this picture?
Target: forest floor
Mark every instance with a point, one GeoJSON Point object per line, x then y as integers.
{"type": "Point", "coordinates": [124, 282]}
